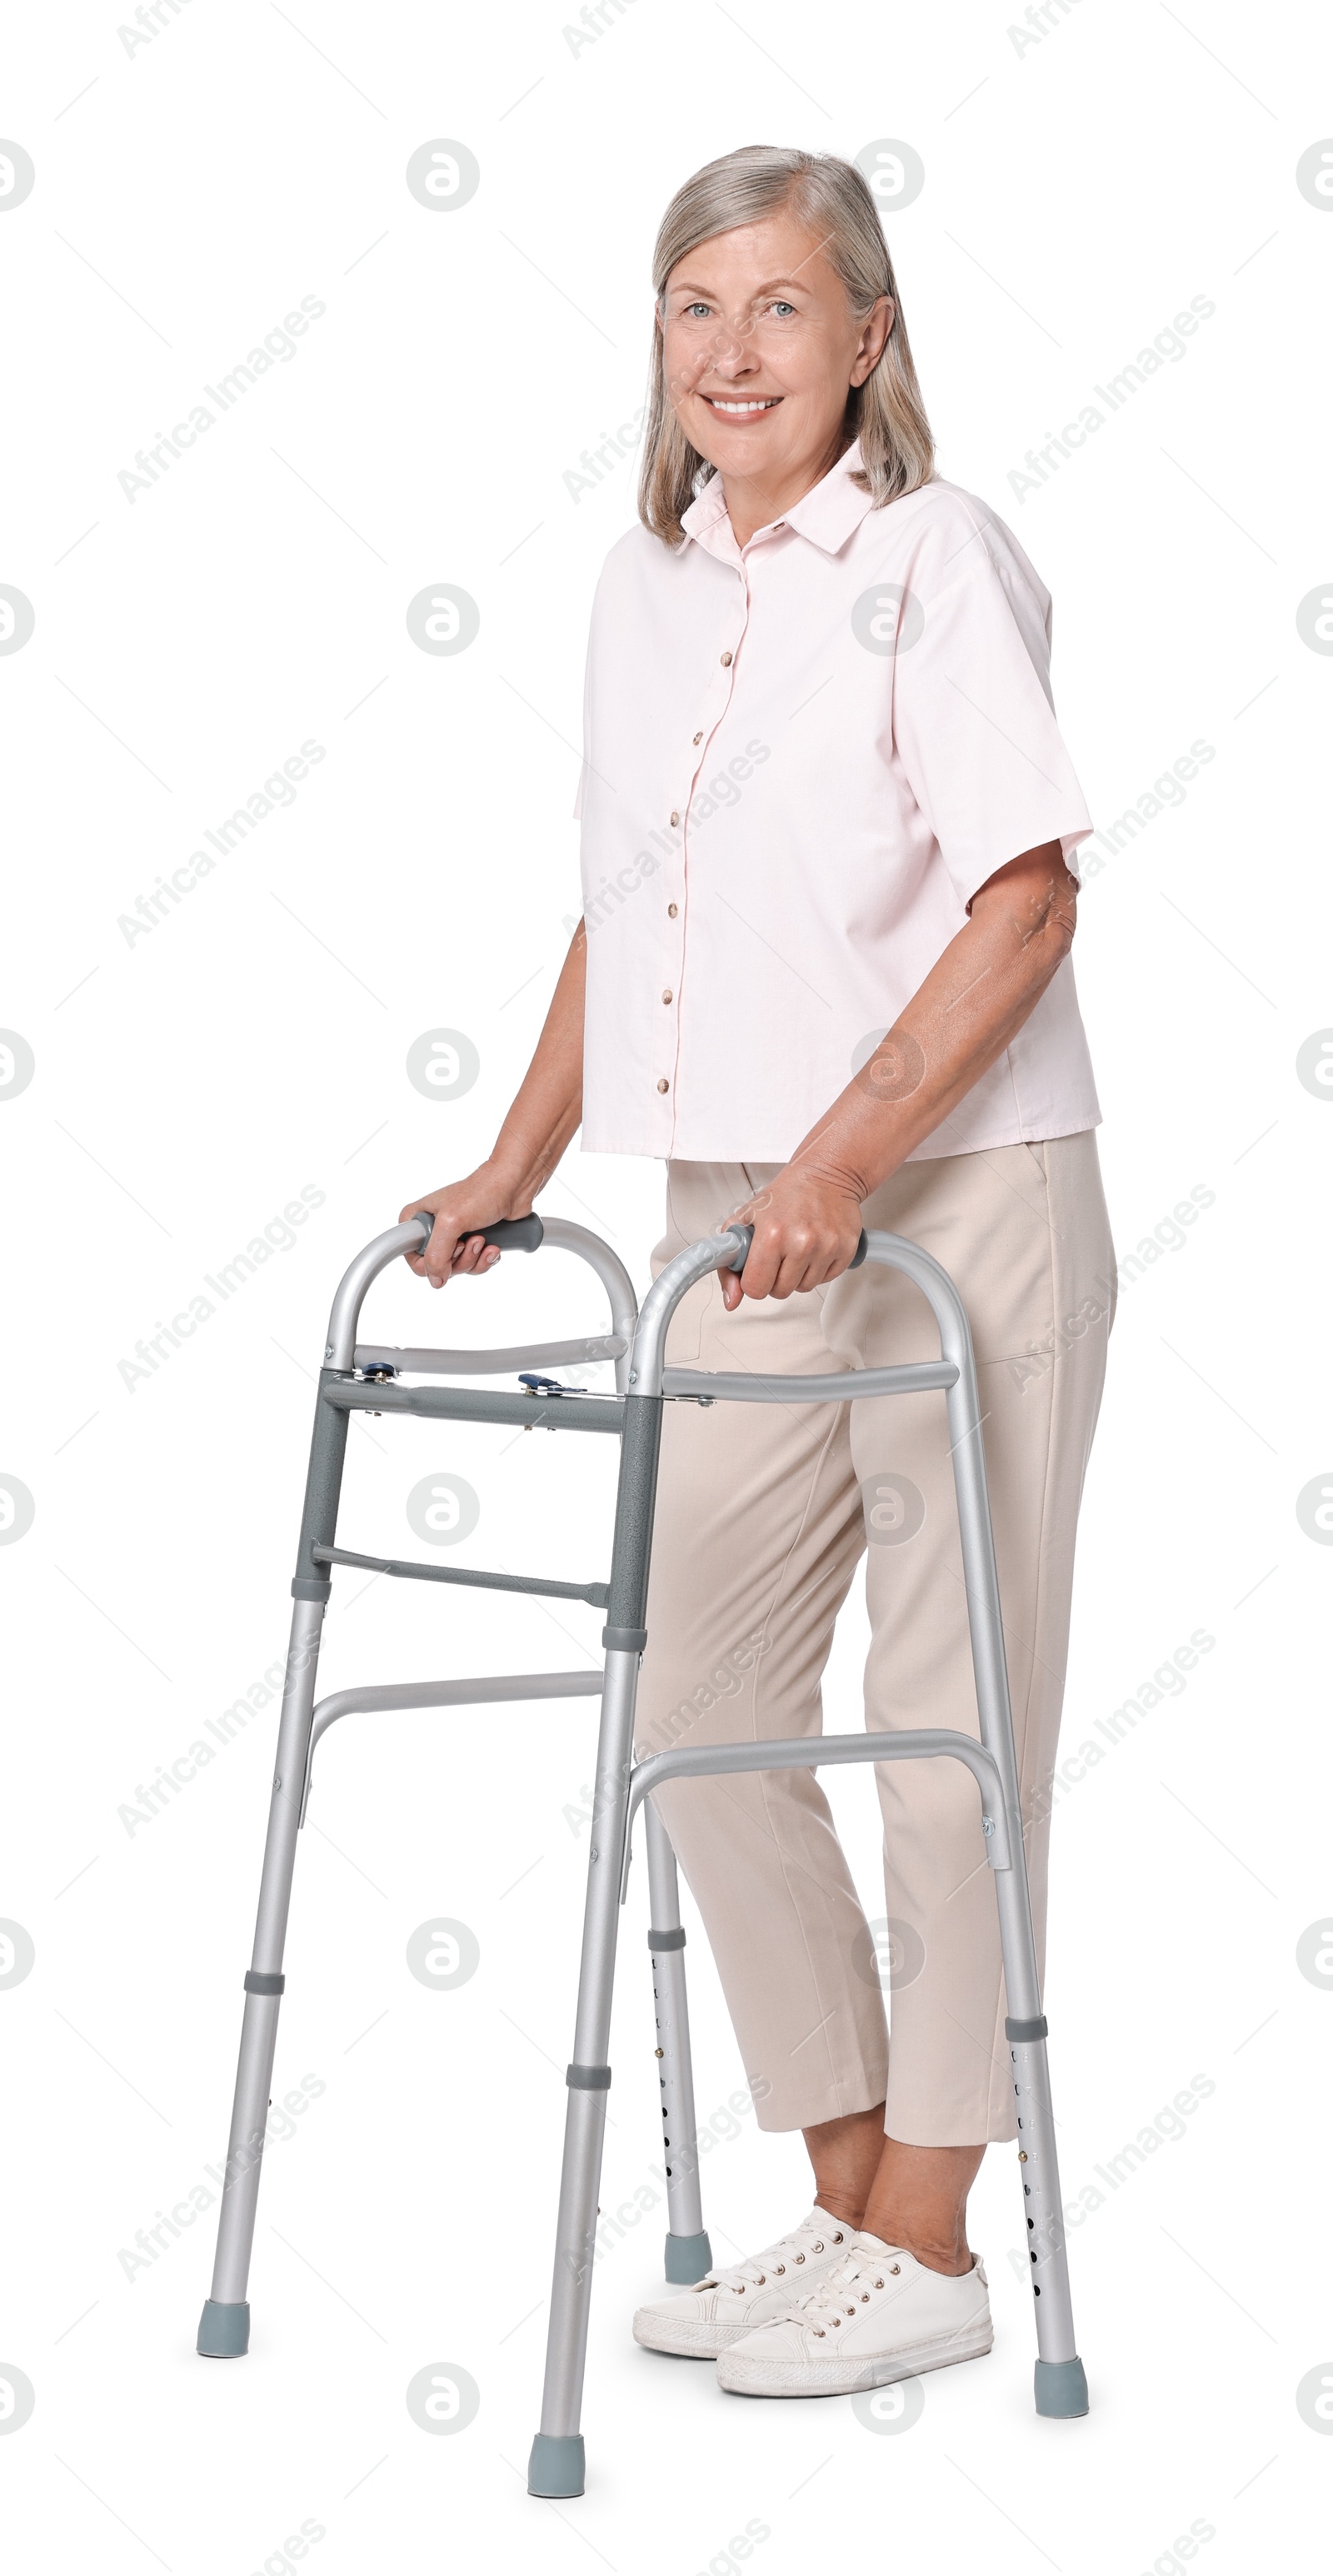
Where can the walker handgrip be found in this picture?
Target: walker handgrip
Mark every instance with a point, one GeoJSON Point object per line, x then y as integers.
{"type": "Point", "coordinates": [515, 1233]}
{"type": "Point", "coordinates": [745, 1234]}
{"type": "Point", "coordinates": [512, 1234]}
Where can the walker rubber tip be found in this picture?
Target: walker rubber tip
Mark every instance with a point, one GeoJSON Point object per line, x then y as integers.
{"type": "Point", "coordinates": [555, 2467]}
{"type": "Point", "coordinates": [224, 2329]}
{"type": "Point", "coordinates": [1061, 2388]}
{"type": "Point", "coordinates": [687, 2259]}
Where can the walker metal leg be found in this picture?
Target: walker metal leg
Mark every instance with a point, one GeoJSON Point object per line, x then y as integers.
{"type": "Point", "coordinates": [1061, 2384]}
{"type": "Point", "coordinates": [688, 2253]}
{"type": "Point", "coordinates": [224, 2328]}
{"type": "Point", "coordinates": [1060, 2381]}
{"type": "Point", "coordinates": [556, 2463]}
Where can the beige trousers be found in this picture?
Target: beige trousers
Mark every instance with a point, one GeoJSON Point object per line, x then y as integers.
{"type": "Point", "coordinates": [763, 1514]}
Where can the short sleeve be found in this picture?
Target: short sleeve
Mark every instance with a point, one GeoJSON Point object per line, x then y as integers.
{"type": "Point", "coordinates": [587, 710]}
{"type": "Point", "coordinates": [973, 722]}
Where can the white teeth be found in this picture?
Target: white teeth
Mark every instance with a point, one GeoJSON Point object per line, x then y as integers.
{"type": "Point", "coordinates": [766, 405]}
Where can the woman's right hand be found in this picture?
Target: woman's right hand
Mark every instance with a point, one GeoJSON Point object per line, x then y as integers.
{"type": "Point", "coordinates": [461, 1209]}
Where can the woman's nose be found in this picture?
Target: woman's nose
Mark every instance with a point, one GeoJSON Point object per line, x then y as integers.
{"type": "Point", "coordinates": [730, 347]}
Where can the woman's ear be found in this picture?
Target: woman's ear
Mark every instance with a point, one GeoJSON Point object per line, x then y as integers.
{"type": "Point", "coordinates": [874, 339]}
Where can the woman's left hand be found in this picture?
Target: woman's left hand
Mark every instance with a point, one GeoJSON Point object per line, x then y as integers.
{"type": "Point", "coordinates": [806, 1230]}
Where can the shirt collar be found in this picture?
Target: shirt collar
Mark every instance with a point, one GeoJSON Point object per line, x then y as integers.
{"type": "Point", "coordinates": [826, 515]}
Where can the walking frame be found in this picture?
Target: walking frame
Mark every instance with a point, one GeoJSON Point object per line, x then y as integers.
{"type": "Point", "coordinates": [367, 1378]}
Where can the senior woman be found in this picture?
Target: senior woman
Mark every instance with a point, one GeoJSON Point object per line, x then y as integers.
{"type": "Point", "coordinates": [823, 974]}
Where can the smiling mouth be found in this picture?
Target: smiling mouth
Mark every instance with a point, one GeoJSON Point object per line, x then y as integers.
{"type": "Point", "coordinates": [742, 410]}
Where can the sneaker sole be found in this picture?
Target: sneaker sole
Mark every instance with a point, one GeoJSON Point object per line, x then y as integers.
{"type": "Point", "coordinates": [703, 2343]}
{"type": "Point", "coordinates": [711, 2341]}
{"type": "Point", "coordinates": [745, 2375]}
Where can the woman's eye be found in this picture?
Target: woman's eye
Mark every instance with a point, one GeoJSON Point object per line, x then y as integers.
{"type": "Point", "coordinates": [782, 309]}
{"type": "Point", "coordinates": [698, 309]}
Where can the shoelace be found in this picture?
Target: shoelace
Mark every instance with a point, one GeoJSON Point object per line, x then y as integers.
{"type": "Point", "coordinates": [844, 2290]}
{"type": "Point", "coordinates": [793, 2251]}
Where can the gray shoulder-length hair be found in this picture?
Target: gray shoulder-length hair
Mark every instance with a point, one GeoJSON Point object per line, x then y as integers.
{"type": "Point", "coordinates": [886, 413]}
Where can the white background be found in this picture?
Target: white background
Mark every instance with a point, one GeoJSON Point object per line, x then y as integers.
{"type": "Point", "coordinates": [1079, 192]}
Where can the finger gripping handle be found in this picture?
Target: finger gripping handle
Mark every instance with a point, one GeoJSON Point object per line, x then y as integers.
{"type": "Point", "coordinates": [745, 1236]}
{"type": "Point", "coordinates": [512, 1234]}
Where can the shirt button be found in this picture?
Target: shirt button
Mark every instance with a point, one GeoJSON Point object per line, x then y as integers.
{"type": "Point", "coordinates": [667, 995]}
{"type": "Point", "coordinates": [664, 1085]}
{"type": "Point", "coordinates": [699, 737]}
{"type": "Point", "coordinates": [674, 821]}
{"type": "Point", "coordinates": [671, 911]}
{"type": "Point", "coordinates": [725, 659]}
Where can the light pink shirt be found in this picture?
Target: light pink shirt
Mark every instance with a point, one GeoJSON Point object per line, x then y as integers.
{"type": "Point", "coordinates": [801, 758]}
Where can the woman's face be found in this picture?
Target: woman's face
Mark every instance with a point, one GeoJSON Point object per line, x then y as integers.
{"type": "Point", "coordinates": [760, 348]}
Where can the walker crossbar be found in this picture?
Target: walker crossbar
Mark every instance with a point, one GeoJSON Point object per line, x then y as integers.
{"type": "Point", "coordinates": [705, 1385]}
{"type": "Point", "coordinates": [595, 1593]}
{"type": "Point", "coordinates": [637, 1344]}
{"type": "Point", "coordinates": [477, 1404]}
{"type": "Point", "coordinates": [906, 1744]}
{"type": "Point", "coordinates": [382, 1696]}
{"type": "Point", "coordinates": [601, 1346]}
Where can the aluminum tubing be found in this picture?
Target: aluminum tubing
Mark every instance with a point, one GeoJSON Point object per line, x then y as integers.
{"type": "Point", "coordinates": [680, 2150]}
{"type": "Point", "coordinates": [562, 1237]}
{"type": "Point", "coordinates": [575, 2247]}
{"type": "Point", "coordinates": [614, 1277]}
{"type": "Point", "coordinates": [991, 1676]}
{"type": "Point", "coordinates": [675, 2066]}
{"type": "Point", "coordinates": [1041, 2201]}
{"type": "Point", "coordinates": [981, 1581]}
{"type": "Point", "coordinates": [592, 2027]}
{"type": "Point", "coordinates": [832, 1386]}
{"type": "Point", "coordinates": [375, 1697]}
{"type": "Point", "coordinates": [284, 1815]}
{"type": "Point", "coordinates": [1022, 1985]}
{"type": "Point", "coordinates": [585, 2112]}
{"type": "Point", "coordinates": [245, 2149]}
{"type": "Point", "coordinates": [422, 1363]}
{"type": "Point", "coordinates": [259, 2024]}
{"type": "Point", "coordinates": [896, 1744]}
{"type": "Point", "coordinates": [345, 1312]}
{"type": "Point", "coordinates": [712, 1252]}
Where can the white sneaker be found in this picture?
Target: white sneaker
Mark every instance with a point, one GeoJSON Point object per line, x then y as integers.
{"type": "Point", "coordinates": [878, 2315]}
{"type": "Point", "coordinates": [719, 2310]}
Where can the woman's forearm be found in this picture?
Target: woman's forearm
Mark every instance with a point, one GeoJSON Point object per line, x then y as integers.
{"type": "Point", "coordinates": [973, 1002]}
{"type": "Point", "coordinates": [549, 1102]}
{"type": "Point", "coordinates": [543, 1118]}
